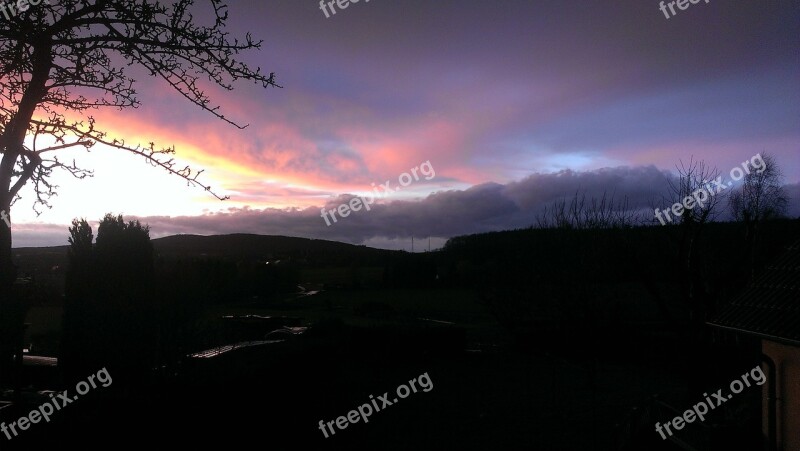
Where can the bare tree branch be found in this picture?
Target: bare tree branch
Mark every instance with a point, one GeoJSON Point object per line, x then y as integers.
{"type": "Point", "coordinates": [65, 59]}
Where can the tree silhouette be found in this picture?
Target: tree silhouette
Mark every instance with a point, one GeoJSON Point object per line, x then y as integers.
{"type": "Point", "coordinates": [109, 311]}
{"type": "Point", "coordinates": [760, 198]}
{"type": "Point", "coordinates": [60, 61]}
{"type": "Point", "coordinates": [602, 213]}
{"type": "Point", "coordinates": [77, 298]}
{"type": "Point", "coordinates": [694, 178]}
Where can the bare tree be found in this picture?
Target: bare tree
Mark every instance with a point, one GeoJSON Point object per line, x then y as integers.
{"type": "Point", "coordinates": [602, 213]}
{"type": "Point", "coordinates": [696, 177]}
{"type": "Point", "coordinates": [761, 196]}
{"type": "Point", "coordinates": [701, 187]}
{"type": "Point", "coordinates": [60, 61]}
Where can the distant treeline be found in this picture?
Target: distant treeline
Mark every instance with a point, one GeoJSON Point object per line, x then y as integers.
{"type": "Point", "coordinates": [615, 291]}
{"type": "Point", "coordinates": [125, 296]}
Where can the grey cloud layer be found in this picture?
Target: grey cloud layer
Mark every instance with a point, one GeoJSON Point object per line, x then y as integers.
{"type": "Point", "coordinates": [482, 208]}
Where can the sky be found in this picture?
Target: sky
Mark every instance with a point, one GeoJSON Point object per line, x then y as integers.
{"type": "Point", "coordinates": [513, 105]}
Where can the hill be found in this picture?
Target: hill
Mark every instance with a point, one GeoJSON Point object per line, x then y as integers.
{"type": "Point", "coordinates": [232, 247]}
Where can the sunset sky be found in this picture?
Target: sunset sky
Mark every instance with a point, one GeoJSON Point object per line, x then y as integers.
{"type": "Point", "coordinates": [514, 103]}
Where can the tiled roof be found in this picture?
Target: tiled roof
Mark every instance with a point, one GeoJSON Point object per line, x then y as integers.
{"type": "Point", "coordinates": [770, 307]}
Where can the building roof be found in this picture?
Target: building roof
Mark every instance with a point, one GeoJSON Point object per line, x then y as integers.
{"type": "Point", "coordinates": [770, 307]}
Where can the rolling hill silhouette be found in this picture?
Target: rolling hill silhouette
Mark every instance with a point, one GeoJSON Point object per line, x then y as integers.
{"type": "Point", "coordinates": [233, 246]}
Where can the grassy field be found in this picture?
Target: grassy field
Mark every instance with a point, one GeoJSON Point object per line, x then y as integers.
{"type": "Point", "coordinates": [365, 276]}
{"type": "Point", "coordinates": [382, 307]}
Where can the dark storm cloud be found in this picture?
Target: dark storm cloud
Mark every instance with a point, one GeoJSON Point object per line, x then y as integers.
{"type": "Point", "coordinates": [481, 208]}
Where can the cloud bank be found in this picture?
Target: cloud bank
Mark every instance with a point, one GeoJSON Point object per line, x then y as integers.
{"type": "Point", "coordinates": [441, 215]}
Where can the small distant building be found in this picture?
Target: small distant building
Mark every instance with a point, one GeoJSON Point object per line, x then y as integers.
{"type": "Point", "coordinates": [770, 311]}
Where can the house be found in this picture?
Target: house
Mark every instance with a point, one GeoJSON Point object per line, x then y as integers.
{"type": "Point", "coordinates": [769, 310]}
